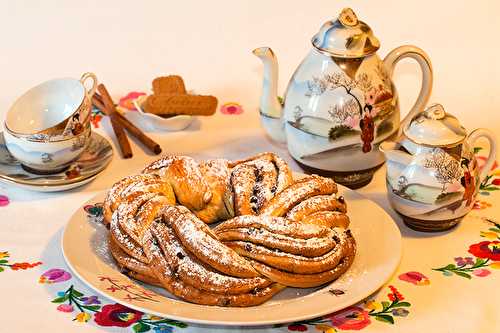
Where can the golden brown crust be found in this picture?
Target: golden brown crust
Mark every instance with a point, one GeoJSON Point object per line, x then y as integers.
{"type": "Point", "coordinates": [144, 278]}
{"type": "Point", "coordinates": [128, 263]}
{"type": "Point", "coordinates": [328, 219]}
{"type": "Point", "coordinates": [120, 216]}
{"type": "Point", "coordinates": [113, 197]}
{"type": "Point", "coordinates": [295, 263]}
{"type": "Point", "coordinates": [216, 174]}
{"type": "Point", "coordinates": [183, 174]}
{"type": "Point", "coordinates": [312, 247]}
{"type": "Point", "coordinates": [284, 173]}
{"type": "Point", "coordinates": [273, 224]}
{"type": "Point", "coordinates": [191, 271]}
{"type": "Point", "coordinates": [197, 237]}
{"type": "Point", "coordinates": [189, 293]}
{"type": "Point", "coordinates": [243, 182]}
{"type": "Point", "coordinates": [144, 216]}
{"type": "Point", "coordinates": [298, 192]}
{"type": "Point", "coordinates": [304, 280]}
{"type": "Point", "coordinates": [317, 204]}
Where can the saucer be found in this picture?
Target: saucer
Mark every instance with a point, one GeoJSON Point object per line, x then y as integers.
{"type": "Point", "coordinates": [91, 162]}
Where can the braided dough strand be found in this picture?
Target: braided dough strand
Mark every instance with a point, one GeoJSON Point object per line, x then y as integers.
{"type": "Point", "coordinates": [200, 240]}
{"type": "Point", "coordinates": [298, 192]}
{"type": "Point", "coordinates": [180, 289]}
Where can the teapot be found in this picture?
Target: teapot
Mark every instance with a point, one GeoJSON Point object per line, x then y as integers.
{"type": "Point", "coordinates": [340, 103]}
{"type": "Point", "coordinates": [432, 173]}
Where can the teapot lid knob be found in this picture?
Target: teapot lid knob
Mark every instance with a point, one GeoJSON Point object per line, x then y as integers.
{"type": "Point", "coordinates": [435, 111]}
{"type": "Point", "coordinates": [346, 37]}
{"type": "Point", "coordinates": [348, 18]}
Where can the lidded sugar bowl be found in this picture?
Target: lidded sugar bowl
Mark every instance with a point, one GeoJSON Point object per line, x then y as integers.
{"type": "Point", "coordinates": [340, 103]}
{"type": "Point", "coordinates": [432, 173]}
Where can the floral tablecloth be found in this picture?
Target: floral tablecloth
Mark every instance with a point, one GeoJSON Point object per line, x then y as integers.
{"type": "Point", "coordinates": [446, 282]}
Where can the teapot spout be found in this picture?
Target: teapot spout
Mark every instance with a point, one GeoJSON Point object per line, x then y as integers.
{"type": "Point", "coordinates": [270, 108]}
{"type": "Point", "coordinates": [269, 104]}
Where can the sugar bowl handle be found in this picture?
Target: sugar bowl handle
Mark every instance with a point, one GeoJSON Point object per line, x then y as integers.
{"type": "Point", "coordinates": [89, 92]}
{"type": "Point", "coordinates": [410, 51]}
{"type": "Point", "coordinates": [484, 133]}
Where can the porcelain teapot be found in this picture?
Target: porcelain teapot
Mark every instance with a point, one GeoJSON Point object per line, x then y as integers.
{"type": "Point", "coordinates": [432, 173]}
{"type": "Point", "coordinates": [340, 102]}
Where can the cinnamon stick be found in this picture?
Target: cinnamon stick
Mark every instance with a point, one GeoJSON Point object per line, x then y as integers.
{"type": "Point", "coordinates": [121, 136]}
{"type": "Point", "coordinates": [131, 128]}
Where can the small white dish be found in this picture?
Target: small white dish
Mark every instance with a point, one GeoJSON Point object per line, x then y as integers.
{"type": "Point", "coordinates": [379, 247]}
{"type": "Point", "coordinates": [175, 123]}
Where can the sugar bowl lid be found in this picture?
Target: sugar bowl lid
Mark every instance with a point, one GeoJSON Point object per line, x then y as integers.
{"type": "Point", "coordinates": [346, 37]}
{"type": "Point", "coordinates": [435, 127]}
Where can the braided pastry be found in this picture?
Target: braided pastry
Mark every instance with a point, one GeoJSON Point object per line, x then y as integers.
{"type": "Point", "coordinates": [273, 232]}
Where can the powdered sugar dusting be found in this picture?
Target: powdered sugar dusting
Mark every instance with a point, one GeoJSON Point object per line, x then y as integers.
{"type": "Point", "coordinates": [190, 259]}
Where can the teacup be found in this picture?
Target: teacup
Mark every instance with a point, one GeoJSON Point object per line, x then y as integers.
{"type": "Point", "coordinates": [47, 156]}
{"type": "Point", "coordinates": [59, 107]}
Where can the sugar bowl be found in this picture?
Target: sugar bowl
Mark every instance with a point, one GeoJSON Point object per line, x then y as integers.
{"type": "Point", "coordinates": [432, 173]}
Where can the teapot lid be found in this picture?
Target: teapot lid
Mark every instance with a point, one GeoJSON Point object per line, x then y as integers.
{"type": "Point", "coordinates": [434, 127]}
{"type": "Point", "coordinates": [346, 37]}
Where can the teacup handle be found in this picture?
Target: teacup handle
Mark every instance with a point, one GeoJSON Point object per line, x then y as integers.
{"type": "Point", "coordinates": [482, 132]}
{"type": "Point", "coordinates": [89, 92]}
{"type": "Point", "coordinates": [410, 51]}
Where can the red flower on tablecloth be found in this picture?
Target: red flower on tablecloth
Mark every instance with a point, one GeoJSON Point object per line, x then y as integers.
{"type": "Point", "coordinates": [486, 250]}
{"type": "Point", "coordinates": [481, 204]}
{"type": "Point", "coordinates": [416, 278]}
{"type": "Point", "coordinates": [127, 101]}
{"type": "Point", "coordinates": [481, 272]}
{"type": "Point", "coordinates": [351, 318]}
{"type": "Point", "coordinates": [117, 315]}
{"type": "Point", "coordinates": [54, 275]}
{"type": "Point", "coordinates": [4, 262]}
{"type": "Point", "coordinates": [231, 108]}
{"type": "Point", "coordinates": [4, 200]}
{"type": "Point", "coordinates": [394, 295]}
{"type": "Point", "coordinates": [65, 308]}
{"type": "Point", "coordinates": [24, 265]}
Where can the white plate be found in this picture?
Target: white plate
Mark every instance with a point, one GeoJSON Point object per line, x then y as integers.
{"type": "Point", "coordinates": [84, 246]}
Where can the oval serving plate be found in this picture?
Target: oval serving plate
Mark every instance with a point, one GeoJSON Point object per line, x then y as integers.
{"type": "Point", "coordinates": [84, 246]}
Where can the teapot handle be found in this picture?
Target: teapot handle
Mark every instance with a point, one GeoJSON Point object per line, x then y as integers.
{"type": "Point", "coordinates": [482, 132]}
{"type": "Point", "coordinates": [410, 51]}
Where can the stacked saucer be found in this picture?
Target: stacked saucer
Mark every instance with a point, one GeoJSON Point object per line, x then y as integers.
{"type": "Point", "coordinates": [92, 161]}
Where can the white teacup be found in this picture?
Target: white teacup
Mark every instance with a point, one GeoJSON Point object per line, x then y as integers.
{"type": "Point", "coordinates": [48, 107]}
{"type": "Point", "coordinates": [46, 157]}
